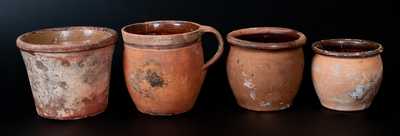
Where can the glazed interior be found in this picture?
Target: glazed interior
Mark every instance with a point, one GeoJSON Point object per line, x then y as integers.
{"type": "Point", "coordinates": [267, 38]}
{"type": "Point", "coordinates": [270, 37]}
{"type": "Point", "coordinates": [161, 28]}
{"type": "Point", "coordinates": [347, 47]}
{"type": "Point", "coordinates": [71, 35]}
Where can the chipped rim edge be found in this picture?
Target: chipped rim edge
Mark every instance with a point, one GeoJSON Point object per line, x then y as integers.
{"type": "Point", "coordinates": [233, 40]}
{"type": "Point", "coordinates": [71, 47]}
{"type": "Point", "coordinates": [378, 48]}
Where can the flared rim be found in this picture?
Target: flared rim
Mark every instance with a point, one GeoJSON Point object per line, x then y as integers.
{"type": "Point", "coordinates": [299, 41]}
{"type": "Point", "coordinates": [109, 39]}
{"type": "Point", "coordinates": [343, 47]}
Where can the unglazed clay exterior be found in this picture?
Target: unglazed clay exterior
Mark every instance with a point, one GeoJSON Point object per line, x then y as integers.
{"type": "Point", "coordinates": [265, 76]}
{"type": "Point", "coordinates": [164, 66]}
{"type": "Point", "coordinates": [347, 80]}
{"type": "Point", "coordinates": [69, 70]}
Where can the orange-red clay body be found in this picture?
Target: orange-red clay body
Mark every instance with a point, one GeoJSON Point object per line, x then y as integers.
{"type": "Point", "coordinates": [164, 66]}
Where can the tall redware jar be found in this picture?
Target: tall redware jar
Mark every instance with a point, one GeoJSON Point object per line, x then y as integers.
{"type": "Point", "coordinates": [265, 67]}
{"type": "Point", "coordinates": [164, 66]}
{"type": "Point", "coordinates": [347, 73]}
{"type": "Point", "coordinates": [69, 70]}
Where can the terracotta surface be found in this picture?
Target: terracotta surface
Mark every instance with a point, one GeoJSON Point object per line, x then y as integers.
{"type": "Point", "coordinates": [69, 70]}
{"type": "Point", "coordinates": [347, 73]}
{"type": "Point", "coordinates": [265, 67]}
{"type": "Point", "coordinates": [164, 66]}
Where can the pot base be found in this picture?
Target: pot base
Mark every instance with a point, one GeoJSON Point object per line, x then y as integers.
{"type": "Point", "coordinates": [263, 109]}
{"type": "Point", "coordinates": [346, 108]}
{"type": "Point", "coordinates": [161, 114]}
{"type": "Point", "coordinates": [71, 117]}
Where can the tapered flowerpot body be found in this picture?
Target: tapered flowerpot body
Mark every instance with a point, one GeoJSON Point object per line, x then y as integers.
{"type": "Point", "coordinates": [265, 67]}
{"type": "Point", "coordinates": [164, 66]}
{"type": "Point", "coordinates": [68, 70]}
{"type": "Point", "coordinates": [347, 73]}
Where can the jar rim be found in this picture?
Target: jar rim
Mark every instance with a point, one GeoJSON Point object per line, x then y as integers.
{"type": "Point", "coordinates": [298, 41]}
{"type": "Point", "coordinates": [343, 47]}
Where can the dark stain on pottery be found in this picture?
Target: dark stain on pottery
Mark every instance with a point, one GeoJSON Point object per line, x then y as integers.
{"type": "Point", "coordinates": [54, 106]}
{"type": "Point", "coordinates": [154, 79]}
{"type": "Point", "coordinates": [65, 63]}
{"type": "Point", "coordinates": [88, 78]}
{"type": "Point", "coordinates": [94, 62]}
{"type": "Point", "coordinates": [87, 100]}
{"type": "Point", "coordinates": [81, 63]}
{"type": "Point", "coordinates": [145, 93]}
{"type": "Point", "coordinates": [92, 71]}
{"type": "Point", "coordinates": [147, 78]}
{"type": "Point", "coordinates": [41, 66]}
{"type": "Point", "coordinates": [63, 85]}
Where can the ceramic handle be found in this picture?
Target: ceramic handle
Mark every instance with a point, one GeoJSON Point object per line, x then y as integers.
{"type": "Point", "coordinates": [217, 55]}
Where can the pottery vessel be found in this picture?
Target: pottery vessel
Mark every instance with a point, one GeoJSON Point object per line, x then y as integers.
{"type": "Point", "coordinates": [347, 73]}
{"type": "Point", "coordinates": [265, 67]}
{"type": "Point", "coordinates": [164, 66]}
{"type": "Point", "coordinates": [68, 70]}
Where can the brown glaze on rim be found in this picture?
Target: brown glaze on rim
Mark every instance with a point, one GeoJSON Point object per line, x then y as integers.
{"type": "Point", "coordinates": [234, 38]}
{"type": "Point", "coordinates": [109, 38]}
{"type": "Point", "coordinates": [347, 47]}
{"type": "Point", "coordinates": [136, 37]}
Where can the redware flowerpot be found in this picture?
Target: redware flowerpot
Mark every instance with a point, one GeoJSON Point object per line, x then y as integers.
{"type": "Point", "coordinates": [265, 67]}
{"type": "Point", "coordinates": [347, 73]}
{"type": "Point", "coordinates": [163, 64]}
{"type": "Point", "coordinates": [68, 70]}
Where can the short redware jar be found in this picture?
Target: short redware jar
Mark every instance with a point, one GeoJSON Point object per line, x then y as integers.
{"type": "Point", "coordinates": [347, 73]}
{"type": "Point", "coordinates": [265, 67]}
